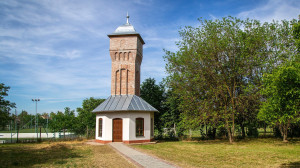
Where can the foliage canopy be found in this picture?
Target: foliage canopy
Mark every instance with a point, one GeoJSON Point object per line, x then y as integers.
{"type": "Point", "coordinates": [218, 68]}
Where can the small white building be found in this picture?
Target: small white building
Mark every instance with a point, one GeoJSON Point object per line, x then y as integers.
{"type": "Point", "coordinates": [124, 116]}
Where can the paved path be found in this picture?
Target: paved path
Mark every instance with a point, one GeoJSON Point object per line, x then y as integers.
{"type": "Point", "coordinates": [142, 159]}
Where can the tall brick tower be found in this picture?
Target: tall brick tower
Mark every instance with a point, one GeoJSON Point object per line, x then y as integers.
{"type": "Point", "coordinates": [124, 116]}
{"type": "Point", "coordinates": [126, 52]}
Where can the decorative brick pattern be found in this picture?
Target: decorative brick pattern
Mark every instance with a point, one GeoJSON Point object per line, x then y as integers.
{"type": "Point", "coordinates": [126, 52]}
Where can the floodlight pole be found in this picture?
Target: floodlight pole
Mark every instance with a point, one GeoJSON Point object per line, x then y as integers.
{"type": "Point", "coordinates": [36, 118]}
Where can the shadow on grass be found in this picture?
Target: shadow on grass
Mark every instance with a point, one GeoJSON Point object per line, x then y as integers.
{"type": "Point", "coordinates": [290, 165]}
{"type": "Point", "coordinates": [29, 155]}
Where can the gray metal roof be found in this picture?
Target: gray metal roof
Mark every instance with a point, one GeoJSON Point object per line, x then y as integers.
{"type": "Point", "coordinates": [125, 29]}
{"type": "Point", "coordinates": [124, 103]}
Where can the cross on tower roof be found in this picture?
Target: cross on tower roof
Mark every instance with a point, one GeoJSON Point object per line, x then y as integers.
{"type": "Point", "coordinates": [127, 18]}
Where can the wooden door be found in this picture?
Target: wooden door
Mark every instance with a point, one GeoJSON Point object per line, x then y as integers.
{"type": "Point", "coordinates": [117, 130]}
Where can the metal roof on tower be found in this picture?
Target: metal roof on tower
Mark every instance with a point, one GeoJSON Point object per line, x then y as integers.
{"type": "Point", "coordinates": [126, 29]}
{"type": "Point", "coordinates": [124, 103]}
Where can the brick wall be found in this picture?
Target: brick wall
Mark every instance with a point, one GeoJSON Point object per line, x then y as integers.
{"type": "Point", "coordinates": [126, 53]}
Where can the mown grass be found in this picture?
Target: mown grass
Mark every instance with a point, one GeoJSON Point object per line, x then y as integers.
{"type": "Point", "coordinates": [60, 154]}
{"type": "Point", "coordinates": [266, 152]}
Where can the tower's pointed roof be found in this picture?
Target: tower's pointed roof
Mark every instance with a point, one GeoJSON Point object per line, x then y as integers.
{"type": "Point", "coordinates": [126, 29]}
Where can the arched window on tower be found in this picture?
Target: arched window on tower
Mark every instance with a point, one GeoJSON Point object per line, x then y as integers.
{"type": "Point", "coordinates": [116, 55]}
{"type": "Point", "coordinates": [129, 55]}
{"type": "Point", "coordinates": [124, 56]}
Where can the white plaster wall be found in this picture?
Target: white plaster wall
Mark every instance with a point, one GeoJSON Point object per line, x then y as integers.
{"type": "Point", "coordinates": [147, 125]}
{"type": "Point", "coordinates": [128, 125]}
{"type": "Point", "coordinates": [152, 116]}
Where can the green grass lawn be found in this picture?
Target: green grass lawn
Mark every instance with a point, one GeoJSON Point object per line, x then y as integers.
{"type": "Point", "coordinates": [266, 152]}
{"type": "Point", "coordinates": [60, 154]}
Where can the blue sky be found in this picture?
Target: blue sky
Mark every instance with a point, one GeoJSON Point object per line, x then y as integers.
{"type": "Point", "coordinates": [58, 50]}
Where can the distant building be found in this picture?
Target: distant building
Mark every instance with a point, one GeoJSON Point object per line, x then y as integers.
{"type": "Point", "coordinates": [124, 116]}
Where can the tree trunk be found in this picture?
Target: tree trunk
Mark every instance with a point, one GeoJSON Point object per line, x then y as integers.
{"type": "Point", "coordinates": [17, 133]}
{"type": "Point", "coordinates": [232, 128]}
{"type": "Point", "coordinates": [214, 133]}
{"type": "Point", "coordinates": [190, 133]}
{"type": "Point", "coordinates": [285, 132]}
{"type": "Point", "coordinates": [285, 137]}
{"type": "Point", "coordinates": [87, 132]}
{"type": "Point", "coordinates": [64, 133]}
{"type": "Point", "coordinates": [229, 132]}
{"type": "Point", "coordinates": [265, 129]}
{"type": "Point", "coordinates": [230, 135]}
{"type": "Point", "coordinates": [40, 133]}
{"type": "Point", "coordinates": [243, 130]}
{"type": "Point", "coordinates": [175, 130]}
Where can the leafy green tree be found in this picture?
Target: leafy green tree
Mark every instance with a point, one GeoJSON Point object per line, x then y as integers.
{"type": "Point", "coordinates": [281, 89]}
{"type": "Point", "coordinates": [26, 120]}
{"type": "Point", "coordinates": [5, 105]}
{"type": "Point", "coordinates": [296, 33]}
{"type": "Point", "coordinates": [218, 67]}
{"type": "Point", "coordinates": [57, 120]}
{"type": "Point", "coordinates": [63, 121]}
{"type": "Point", "coordinates": [87, 119]}
{"type": "Point", "coordinates": [43, 119]}
{"type": "Point", "coordinates": [171, 116]}
{"type": "Point", "coordinates": [154, 94]}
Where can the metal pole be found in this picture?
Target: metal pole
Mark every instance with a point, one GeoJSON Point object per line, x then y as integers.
{"type": "Point", "coordinates": [36, 118]}
{"type": "Point", "coordinates": [47, 125]}
{"type": "Point", "coordinates": [10, 132]}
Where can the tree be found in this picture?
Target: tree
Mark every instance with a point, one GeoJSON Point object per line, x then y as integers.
{"type": "Point", "coordinates": [25, 119]}
{"type": "Point", "coordinates": [296, 33]}
{"type": "Point", "coordinates": [63, 121]}
{"type": "Point", "coordinates": [155, 95]}
{"type": "Point", "coordinates": [219, 66]}
{"type": "Point", "coordinates": [86, 119]}
{"type": "Point", "coordinates": [5, 105]}
{"type": "Point", "coordinates": [171, 116]}
{"type": "Point", "coordinates": [282, 92]}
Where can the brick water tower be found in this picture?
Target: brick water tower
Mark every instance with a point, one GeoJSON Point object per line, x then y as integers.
{"type": "Point", "coordinates": [124, 116]}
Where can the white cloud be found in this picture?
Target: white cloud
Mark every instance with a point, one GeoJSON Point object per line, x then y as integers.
{"type": "Point", "coordinates": [212, 17]}
{"type": "Point", "coordinates": [274, 10]}
{"type": "Point", "coordinates": [59, 50]}
{"type": "Point", "coordinates": [143, 2]}
{"type": "Point", "coordinates": [73, 54]}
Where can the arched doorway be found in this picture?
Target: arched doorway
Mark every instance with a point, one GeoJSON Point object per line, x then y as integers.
{"type": "Point", "coordinates": [117, 130]}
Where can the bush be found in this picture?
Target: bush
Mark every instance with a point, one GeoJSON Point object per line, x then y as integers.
{"type": "Point", "coordinates": [252, 131]}
{"type": "Point", "coordinates": [221, 132]}
{"type": "Point", "coordinates": [276, 132]}
{"type": "Point", "coordinates": [294, 130]}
